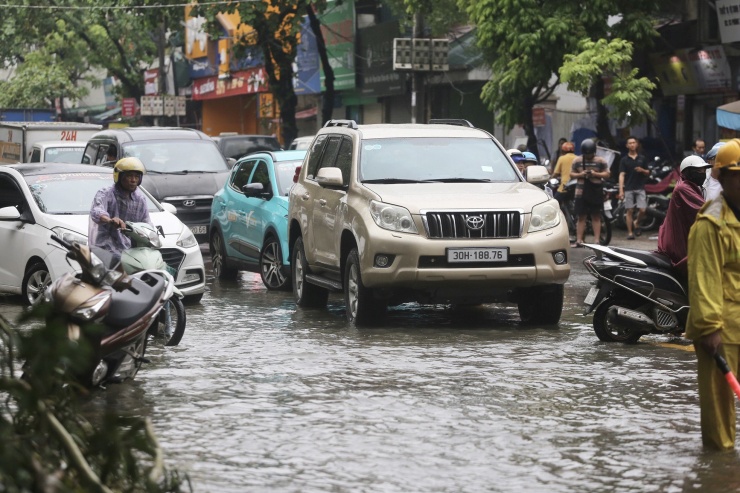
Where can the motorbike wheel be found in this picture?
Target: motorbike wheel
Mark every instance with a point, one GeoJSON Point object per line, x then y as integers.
{"type": "Point", "coordinates": [610, 332]}
{"type": "Point", "coordinates": [218, 258]}
{"type": "Point", "coordinates": [170, 324]}
{"type": "Point", "coordinates": [540, 304]}
{"type": "Point", "coordinates": [306, 295]}
{"type": "Point", "coordinates": [272, 271]}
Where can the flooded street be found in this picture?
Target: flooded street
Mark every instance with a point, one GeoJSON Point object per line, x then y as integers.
{"type": "Point", "coordinates": [261, 397]}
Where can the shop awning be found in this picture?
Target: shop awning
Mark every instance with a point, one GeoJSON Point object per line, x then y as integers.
{"type": "Point", "coordinates": [107, 115]}
{"type": "Point", "coordinates": [728, 115]}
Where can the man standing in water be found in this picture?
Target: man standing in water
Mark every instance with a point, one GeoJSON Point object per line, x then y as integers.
{"type": "Point", "coordinates": [714, 298]}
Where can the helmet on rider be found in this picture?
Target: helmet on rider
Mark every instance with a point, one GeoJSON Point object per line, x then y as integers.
{"type": "Point", "coordinates": [529, 157]}
{"type": "Point", "coordinates": [567, 147]}
{"type": "Point", "coordinates": [693, 169]}
{"type": "Point", "coordinates": [728, 156]}
{"type": "Point", "coordinates": [515, 155]}
{"type": "Point", "coordinates": [588, 146]}
{"type": "Point", "coordinates": [713, 151]}
{"type": "Point", "coordinates": [126, 165]}
{"type": "Point", "coordinates": [693, 162]}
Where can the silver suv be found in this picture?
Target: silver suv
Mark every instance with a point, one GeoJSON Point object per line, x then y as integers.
{"type": "Point", "coordinates": [434, 213]}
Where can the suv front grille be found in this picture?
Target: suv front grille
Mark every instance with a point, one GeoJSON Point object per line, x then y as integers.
{"type": "Point", "coordinates": [473, 224]}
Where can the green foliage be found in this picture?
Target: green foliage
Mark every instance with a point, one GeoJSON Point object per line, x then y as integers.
{"type": "Point", "coordinates": [439, 15]}
{"type": "Point", "coordinates": [47, 443]}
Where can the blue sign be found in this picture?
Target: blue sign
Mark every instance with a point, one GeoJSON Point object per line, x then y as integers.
{"type": "Point", "coordinates": [307, 76]}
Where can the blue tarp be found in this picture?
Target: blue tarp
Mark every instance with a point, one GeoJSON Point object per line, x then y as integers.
{"type": "Point", "coordinates": [728, 115]}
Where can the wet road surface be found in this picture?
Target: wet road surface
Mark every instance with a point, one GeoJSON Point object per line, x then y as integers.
{"type": "Point", "coordinates": [260, 396]}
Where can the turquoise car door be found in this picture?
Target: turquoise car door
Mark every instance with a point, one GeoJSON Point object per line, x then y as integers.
{"type": "Point", "coordinates": [234, 216]}
{"type": "Point", "coordinates": [258, 208]}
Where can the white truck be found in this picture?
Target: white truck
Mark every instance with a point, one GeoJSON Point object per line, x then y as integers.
{"type": "Point", "coordinates": [17, 139]}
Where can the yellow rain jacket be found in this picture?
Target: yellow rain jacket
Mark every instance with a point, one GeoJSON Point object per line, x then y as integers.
{"type": "Point", "coordinates": [714, 279]}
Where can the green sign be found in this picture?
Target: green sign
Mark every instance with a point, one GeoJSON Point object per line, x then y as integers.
{"type": "Point", "coordinates": [338, 28]}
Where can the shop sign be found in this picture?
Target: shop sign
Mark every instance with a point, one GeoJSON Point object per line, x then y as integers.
{"type": "Point", "coordinates": [338, 28]}
{"type": "Point", "coordinates": [151, 81]}
{"type": "Point", "coordinates": [250, 81]}
{"type": "Point", "coordinates": [728, 15]}
{"type": "Point", "coordinates": [694, 71]}
{"type": "Point", "coordinates": [377, 77]}
{"type": "Point", "coordinates": [128, 107]}
{"type": "Point", "coordinates": [307, 77]}
{"type": "Point", "coordinates": [538, 117]}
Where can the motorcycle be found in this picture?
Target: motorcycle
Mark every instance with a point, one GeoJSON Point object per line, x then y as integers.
{"type": "Point", "coordinates": [144, 256]}
{"type": "Point", "coordinates": [567, 207]}
{"type": "Point", "coordinates": [655, 212]}
{"type": "Point", "coordinates": [109, 309]}
{"type": "Point", "coordinates": [636, 293]}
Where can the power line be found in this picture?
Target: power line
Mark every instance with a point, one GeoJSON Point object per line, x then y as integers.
{"type": "Point", "coordinates": [116, 7]}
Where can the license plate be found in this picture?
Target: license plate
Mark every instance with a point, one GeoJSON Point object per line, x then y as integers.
{"type": "Point", "coordinates": [607, 205]}
{"type": "Point", "coordinates": [459, 255]}
{"type": "Point", "coordinates": [591, 296]}
{"type": "Point", "coordinates": [198, 230]}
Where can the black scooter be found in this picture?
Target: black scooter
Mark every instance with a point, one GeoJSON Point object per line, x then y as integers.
{"type": "Point", "coordinates": [636, 293]}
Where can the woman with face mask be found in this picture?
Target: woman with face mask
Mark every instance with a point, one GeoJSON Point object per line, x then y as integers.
{"type": "Point", "coordinates": [686, 200]}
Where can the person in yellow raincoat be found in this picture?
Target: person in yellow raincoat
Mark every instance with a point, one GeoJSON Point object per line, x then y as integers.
{"type": "Point", "coordinates": [714, 298]}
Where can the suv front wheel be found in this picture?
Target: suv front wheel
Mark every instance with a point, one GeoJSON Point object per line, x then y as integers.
{"type": "Point", "coordinates": [306, 295]}
{"type": "Point", "coordinates": [361, 305]}
{"type": "Point", "coordinates": [540, 304]}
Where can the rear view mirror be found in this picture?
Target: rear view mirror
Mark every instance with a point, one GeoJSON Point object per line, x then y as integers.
{"type": "Point", "coordinates": [330, 177]}
{"type": "Point", "coordinates": [537, 174]}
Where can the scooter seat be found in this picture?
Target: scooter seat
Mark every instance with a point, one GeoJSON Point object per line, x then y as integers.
{"type": "Point", "coordinates": [132, 303]}
{"type": "Point", "coordinates": [653, 259]}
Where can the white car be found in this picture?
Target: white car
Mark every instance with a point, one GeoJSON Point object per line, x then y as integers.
{"type": "Point", "coordinates": [39, 199]}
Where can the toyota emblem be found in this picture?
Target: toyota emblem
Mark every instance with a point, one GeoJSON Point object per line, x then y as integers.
{"type": "Point", "coordinates": [188, 203]}
{"type": "Point", "coordinates": [474, 222]}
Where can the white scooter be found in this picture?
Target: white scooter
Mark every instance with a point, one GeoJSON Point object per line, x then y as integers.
{"type": "Point", "coordinates": [143, 257]}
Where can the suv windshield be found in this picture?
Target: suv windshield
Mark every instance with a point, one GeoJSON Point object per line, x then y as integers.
{"type": "Point", "coordinates": [434, 159]}
{"type": "Point", "coordinates": [177, 156]}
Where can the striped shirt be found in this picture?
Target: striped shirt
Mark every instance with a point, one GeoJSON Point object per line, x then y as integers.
{"type": "Point", "coordinates": [114, 201]}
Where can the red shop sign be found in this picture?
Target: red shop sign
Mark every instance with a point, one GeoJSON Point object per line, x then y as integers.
{"type": "Point", "coordinates": [249, 81]}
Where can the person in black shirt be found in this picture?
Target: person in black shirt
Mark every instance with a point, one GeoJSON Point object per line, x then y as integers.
{"type": "Point", "coordinates": [633, 174]}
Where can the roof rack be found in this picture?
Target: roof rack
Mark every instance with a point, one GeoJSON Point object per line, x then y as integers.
{"type": "Point", "coordinates": [451, 121]}
{"type": "Point", "coordinates": [341, 123]}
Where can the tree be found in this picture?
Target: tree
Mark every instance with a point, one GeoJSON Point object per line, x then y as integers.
{"type": "Point", "coordinates": [526, 42]}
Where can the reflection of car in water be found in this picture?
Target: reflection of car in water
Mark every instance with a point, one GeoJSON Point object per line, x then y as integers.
{"type": "Point", "coordinates": [248, 221]}
{"type": "Point", "coordinates": [184, 167]}
{"type": "Point", "coordinates": [35, 202]}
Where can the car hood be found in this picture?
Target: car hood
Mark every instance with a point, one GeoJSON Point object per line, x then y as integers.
{"type": "Point", "coordinates": [436, 196]}
{"type": "Point", "coordinates": [170, 224]}
{"type": "Point", "coordinates": [162, 186]}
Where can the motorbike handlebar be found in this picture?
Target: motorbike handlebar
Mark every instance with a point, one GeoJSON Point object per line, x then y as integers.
{"type": "Point", "coordinates": [59, 240]}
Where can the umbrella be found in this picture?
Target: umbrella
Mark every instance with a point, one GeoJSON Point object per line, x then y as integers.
{"type": "Point", "coordinates": [728, 115]}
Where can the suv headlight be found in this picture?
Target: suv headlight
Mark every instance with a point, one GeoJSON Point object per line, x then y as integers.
{"type": "Point", "coordinates": [186, 239]}
{"type": "Point", "coordinates": [69, 236]}
{"type": "Point", "coordinates": [544, 216]}
{"type": "Point", "coordinates": [392, 217]}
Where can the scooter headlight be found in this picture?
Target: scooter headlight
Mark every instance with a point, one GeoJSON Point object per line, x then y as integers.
{"type": "Point", "coordinates": [97, 268]}
{"type": "Point", "coordinates": [90, 308]}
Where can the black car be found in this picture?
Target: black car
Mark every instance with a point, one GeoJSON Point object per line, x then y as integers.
{"type": "Point", "coordinates": [184, 167]}
{"type": "Point", "coordinates": [235, 145]}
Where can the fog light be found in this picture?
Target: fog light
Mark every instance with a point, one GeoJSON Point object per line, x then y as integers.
{"type": "Point", "coordinates": [560, 257]}
{"type": "Point", "coordinates": [190, 276]}
{"type": "Point", "coordinates": [383, 260]}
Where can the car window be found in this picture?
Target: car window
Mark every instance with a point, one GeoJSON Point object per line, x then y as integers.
{"type": "Point", "coordinates": [178, 156]}
{"type": "Point", "coordinates": [262, 175]}
{"type": "Point", "coordinates": [91, 150]}
{"type": "Point", "coordinates": [434, 159]}
{"type": "Point", "coordinates": [10, 194]}
{"type": "Point", "coordinates": [330, 152]}
{"type": "Point", "coordinates": [314, 156]}
{"type": "Point", "coordinates": [63, 154]}
{"type": "Point", "coordinates": [344, 159]}
{"type": "Point", "coordinates": [284, 172]}
{"type": "Point", "coordinates": [35, 156]}
{"type": "Point", "coordinates": [240, 175]}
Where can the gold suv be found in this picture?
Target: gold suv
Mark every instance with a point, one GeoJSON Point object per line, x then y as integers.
{"type": "Point", "coordinates": [434, 213]}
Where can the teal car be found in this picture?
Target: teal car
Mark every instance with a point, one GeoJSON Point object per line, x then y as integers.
{"type": "Point", "coordinates": [249, 228]}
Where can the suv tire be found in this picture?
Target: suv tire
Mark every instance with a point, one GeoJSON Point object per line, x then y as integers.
{"type": "Point", "coordinates": [540, 304]}
{"type": "Point", "coordinates": [361, 305]}
{"type": "Point", "coordinates": [306, 295]}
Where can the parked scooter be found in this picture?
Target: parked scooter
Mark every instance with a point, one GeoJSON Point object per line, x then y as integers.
{"type": "Point", "coordinates": [103, 295]}
{"type": "Point", "coordinates": [636, 293]}
{"type": "Point", "coordinates": [143, 257]}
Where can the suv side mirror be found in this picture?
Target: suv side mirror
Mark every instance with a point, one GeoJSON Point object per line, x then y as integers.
{"type": "Point", "coordinates": [330, 177]}
{"type": "Point", "coordinates": [537, 174]}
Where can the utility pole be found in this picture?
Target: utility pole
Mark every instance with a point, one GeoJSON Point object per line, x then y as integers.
{"type": "Point", "coordinates": [417, 79]}
{"type": "Point", "coordinates": [162, 83]}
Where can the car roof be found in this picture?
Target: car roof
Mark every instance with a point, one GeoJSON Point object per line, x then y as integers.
{"type": "Point", "coordinates": [130, 134]}
{"type": "Point", "coordinates": [61, 143]}
{"type": "Point", "coordinates": [411, 130]}
{"type": "Point", "coordinates": [277, 156]}
{"type": "Point", "coordinates": [30, 169]}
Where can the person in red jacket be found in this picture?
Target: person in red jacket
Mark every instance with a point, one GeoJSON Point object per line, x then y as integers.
{"type": "Point", "coordinates": [686, 200]}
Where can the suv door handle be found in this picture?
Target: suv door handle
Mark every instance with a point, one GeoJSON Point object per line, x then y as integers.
{"type": "Point", "coordinates": [306, 196]}
{"type": "Point", "coordinates": [322, 202]}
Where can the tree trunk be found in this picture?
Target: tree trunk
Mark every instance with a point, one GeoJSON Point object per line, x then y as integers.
{"type": "Point", "coordinates": [602, 116]}
{"type": "Point", "coordinates": [327, 103]}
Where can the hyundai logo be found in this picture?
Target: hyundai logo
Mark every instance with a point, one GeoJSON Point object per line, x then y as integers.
{"type": "Point", "coordinates": [188, 203]}
{"type": "Point", "coordinates": [474, 222]}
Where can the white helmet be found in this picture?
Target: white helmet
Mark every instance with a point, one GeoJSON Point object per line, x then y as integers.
{"type": "Point", "coordinates": [693, 162]}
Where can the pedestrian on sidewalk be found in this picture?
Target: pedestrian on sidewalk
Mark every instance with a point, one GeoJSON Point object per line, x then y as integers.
{"type": "Point", "coordinates": [633, 174]}
{"type": "Point", "coordinates": [714, 297]}
{"type": "Point", "coordinates": [562, 169]}
{"type": "Point", "coordinates": [686, 200]}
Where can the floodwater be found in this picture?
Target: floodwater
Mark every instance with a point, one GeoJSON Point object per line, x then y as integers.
{"type": "Point", "coordinates": [262, 397]}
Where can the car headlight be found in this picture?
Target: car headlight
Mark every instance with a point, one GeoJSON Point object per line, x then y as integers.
{"type": "Point", "coordinates": [544, 216]}
{"type": "Point", "coordinates": [392, 217]}
{"type": "Point", "coordinates": [186, 239]}
{"type": "Point", "coordinates": [69, 236]}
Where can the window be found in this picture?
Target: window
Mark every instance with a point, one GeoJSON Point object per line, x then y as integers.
{"type": "Point", "coordinates": [262, 175]}
{"type": "Point", "coordinates": [90, 152]}
{"type": "Point", "coordinates": [344, 159]}
{"type": "Point", "coordinates": [315, 156]}
{"type": "Point", "coordinates": [330, 152]}
{"type": "Point", "coordinates": [35, 156]}
{"type": "Point", "coordinates": [10, 195]}
{"type": "Point", "coordinates": [240, 176]}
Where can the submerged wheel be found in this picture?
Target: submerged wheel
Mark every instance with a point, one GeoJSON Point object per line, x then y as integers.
{"type": "Point", "coordinates": [540, 304]}
{"type": "Point", "coordinates": [218, 258]}
{"type": "Point", "coordinates": [35, 281]}
{"type": "Point", "coordinates": [613, 332]}
{"type": "Point", "coordinates": [606, 231]}
{"type": "Point", "coordinates": [273, 272]}
{"type": "Point", "coordinates": [306, 295]}
{"type": "Point", "coordinates": [361, 305]}
{"type": "Point", "coordinates": [170, 324]}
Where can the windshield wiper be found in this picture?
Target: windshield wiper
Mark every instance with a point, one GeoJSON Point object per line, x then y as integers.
{"type": "Point", "coordinates": [393, 180]}
{"type": "Point", "coordinates": [461, 180]}
{"type": "Point", "coordinates": [187, 172]}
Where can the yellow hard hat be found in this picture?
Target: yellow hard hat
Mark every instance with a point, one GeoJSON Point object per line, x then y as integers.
{"type": "Point", "coordinates": [127, 164]}
{"type": "Point", "coordinates": [728, 156]}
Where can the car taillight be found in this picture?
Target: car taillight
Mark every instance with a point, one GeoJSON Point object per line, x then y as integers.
{"type": "Point", "coordinates": [297, 172]}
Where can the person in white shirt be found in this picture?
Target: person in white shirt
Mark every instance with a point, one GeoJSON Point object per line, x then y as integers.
{"type": "Point", "coordinates": [712, 187]}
